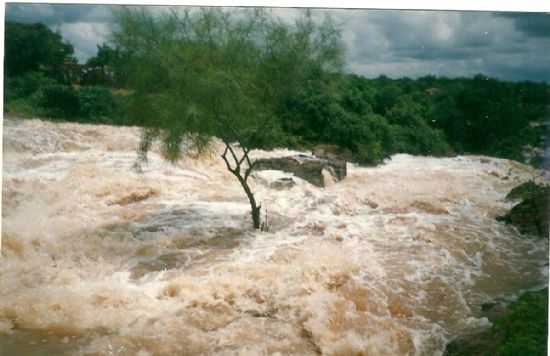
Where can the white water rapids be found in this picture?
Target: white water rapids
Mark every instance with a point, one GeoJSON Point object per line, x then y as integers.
{"type": "Point", "coordinates": [99, 259]}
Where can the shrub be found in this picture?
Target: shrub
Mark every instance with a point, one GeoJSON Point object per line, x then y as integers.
{"type": "Point", "coordinates": [22, 107]}
{"type": "Point", "coordinates": [58, 101]}
{"type": "Point", "coordinates": [369, 153]}
{"type": "Point", "coordinates": [95, 103]}
{"type": "Point", "coordinates": [25, 85]}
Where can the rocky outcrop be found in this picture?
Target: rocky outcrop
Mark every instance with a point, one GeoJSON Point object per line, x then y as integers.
{"type": "Point", "coordinates": [283, 183]}
{"type": "Point", "coordinates": [532, 214]}
{"type": "Point", "coordinates": [308, 168]}
{"type": "Point", "coordinates": [332, 152]}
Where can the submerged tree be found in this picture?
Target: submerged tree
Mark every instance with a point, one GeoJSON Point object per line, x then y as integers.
{"type": "Point", "coordinates": [214, 73]}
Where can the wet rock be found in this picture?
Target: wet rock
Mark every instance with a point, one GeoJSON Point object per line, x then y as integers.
{"type": "Point", "coordinates": [531, 215]}
{"type": "Point", "coordinates": [494, 309]}
{"type": "Point", "coordinates": [370, 203]}
{"type": "Point", "coordinates": [398, 310]}
{"type": "Point", "coordinates": [317, 229]}
{"type": "Point", "coordinates": [396, 210]}
{"type": "Point", "coordinates": [283, 183]}
{"type": "Point", "coordinates": [308, 168]}
{"type": "Point", "coordinates": [135, 197]}
{"type": "Point", "coordinates": [332, 152]}
{"type": "Point", "coordinates": [403, 220]}
{"type": "Point", "coordinates": [163, 262]}
{"type": "Point", "coordinates": [429, 208]}
{"type": "Point", "coordinates": [11, 244]}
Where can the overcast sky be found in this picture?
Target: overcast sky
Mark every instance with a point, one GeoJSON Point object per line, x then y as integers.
{"type": "Point", "coordinates": [514, 46]}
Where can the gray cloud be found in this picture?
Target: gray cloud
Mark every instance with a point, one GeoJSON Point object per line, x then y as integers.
{"type": "Point", "coordinates": [84, 26]}
{"type": "Point", "coordinates": [51, 14]}
{"type": "Point", "coordinates": [532, 24]}
{"type": "Point", "coordinates": [510, 46]}
{"type": "Point", "coordinates": [416, 43]}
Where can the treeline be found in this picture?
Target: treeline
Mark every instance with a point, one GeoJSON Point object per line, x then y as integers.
{"type": "Point", "coordinates": [42, 78]}
{"type": "Point", "coordinates": [373, 118]}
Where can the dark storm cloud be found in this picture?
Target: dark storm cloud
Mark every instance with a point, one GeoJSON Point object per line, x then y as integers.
{"type": "Point", "coordinates": [51, 14]}
{"type": "Point", "coordinates": [415, 43]}
{"type": "Point", "coordinates": [395, 43]}
{"type": "Point", "coordinates": [532, 24]}
{"type": "Point", "coordinates": [84, 26]}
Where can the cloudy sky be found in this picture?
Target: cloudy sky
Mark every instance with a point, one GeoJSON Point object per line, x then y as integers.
{"type": "Point", "coordinates": [513, 46]}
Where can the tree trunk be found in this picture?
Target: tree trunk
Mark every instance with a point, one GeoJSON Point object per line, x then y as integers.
{"type": "Point", "coordinates": [243, 179]}
{"type": "Point", "coordinates": [256, 209]}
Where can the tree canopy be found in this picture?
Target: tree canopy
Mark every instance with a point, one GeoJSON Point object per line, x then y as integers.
{"type": "Point", "coordinates": [224, 74]}
{"type": "Point", "coordinates": [29, 46]}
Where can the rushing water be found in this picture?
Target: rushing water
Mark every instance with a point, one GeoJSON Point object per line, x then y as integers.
{"type": "Point", "coordinates": [100, 259]}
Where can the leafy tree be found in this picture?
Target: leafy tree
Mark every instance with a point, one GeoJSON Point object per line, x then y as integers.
{"type": "Point", "coordinates": [113, 59]}
{"type": "Point", "coordinates": [30, 46]}
{"type": "Point", "coordinates": [224, 74]}
{"type": "Point", "coordinates": [105, 56]}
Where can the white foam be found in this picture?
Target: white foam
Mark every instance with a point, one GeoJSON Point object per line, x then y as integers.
{"type": "Point", "coordinates": [388, 261]}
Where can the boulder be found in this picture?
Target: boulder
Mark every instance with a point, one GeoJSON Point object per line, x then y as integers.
{"type": "Point", "coordinates": [308, 168]}
{"type": "Point", "coordinates": [530, 216]}
{"type": "Point", "coordinates": [283, 183]}
{"type": "Point", "coordinates": [332, 152]}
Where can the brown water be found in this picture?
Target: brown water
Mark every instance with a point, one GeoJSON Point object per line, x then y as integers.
{"type": "Point", "coordinates": [99, 259]}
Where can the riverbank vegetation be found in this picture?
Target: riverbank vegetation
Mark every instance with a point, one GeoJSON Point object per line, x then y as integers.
{"type": "Point", "coordinates": [373, 118]}
{"type": "Point", "coordinates": [522, 329]}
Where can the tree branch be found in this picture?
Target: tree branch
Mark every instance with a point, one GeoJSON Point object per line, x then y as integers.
{"type": "Point", "coordinates": [224, 157]}
{"type": "Point", "coordinates": [249, 170]}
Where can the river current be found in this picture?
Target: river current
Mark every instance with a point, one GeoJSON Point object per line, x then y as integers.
{"type": "Point", "coordinates": [101, 258]}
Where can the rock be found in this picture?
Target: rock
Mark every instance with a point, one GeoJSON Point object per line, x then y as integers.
{"type": "Point", "coordinates": [370, 203]}
{"type": "Point", "coordinates": [398, 310]}
{"type": "Point", "coordinates": [283, 183]}
{"type": "Point", "coordinates": [403, 220]}
{"type": "Point", "coordinates": [396, 210]}
{"type": "Point", "coordinates": [308, 168]}
{"type": "Point", "coordinates": [135, 197]}
{"type": "Point", "coordinates": [429, 208]}
{"type": "Point", "coordinates": [332, 152]}
{"type": "Point", "coordinates": [531, 215]}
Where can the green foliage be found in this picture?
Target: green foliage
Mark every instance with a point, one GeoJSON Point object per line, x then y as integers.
{"type": "Point", "coordinates": [427, 116]}
{"type": "Point", "coordinates": [25, 85]}
{"type": "Point", "coordinates": [217, 73]}
{"type": "Point", "coordinates": [30, 46]}
{"type": "Point", "coordinates": [58, 101]}
{"type": "Point", "coordinates": [530, 216]}
{"type": "Point", "coordinates": [522, 330]}
{"type": "Point", "coordinates": [246, 76]}
{"type": "Point", "coordinates": [346, 111]}
{"type": "Point", "coordinates": [111, 60]}
{"type": "Point", "coordinates": [487, 116]}
{"type": "Point", "coordinates": [95, 102]}
{"type": "Point", "coordinates": [22, 107]}
{"type": "Point", "coordinates": [105, 56]}
{"type": "Point", "coordinates": [525, 191]}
